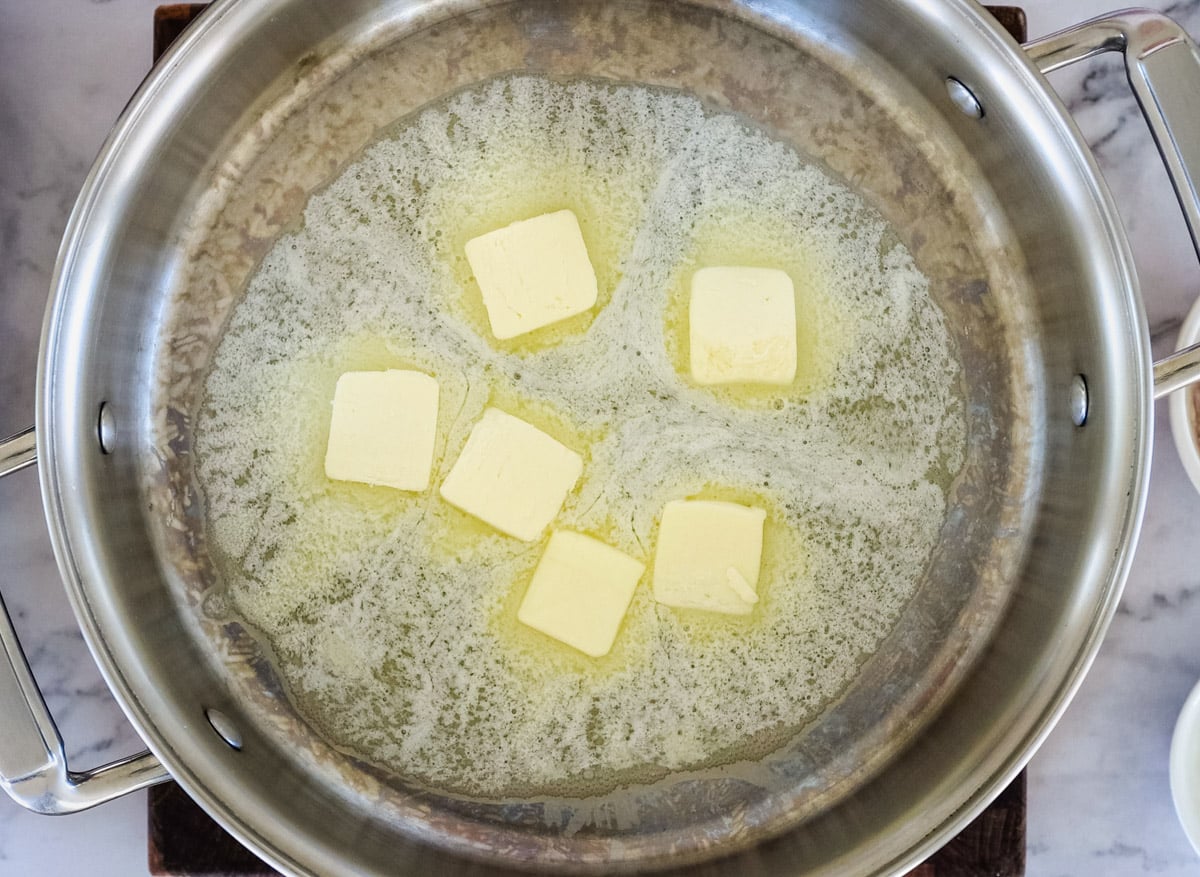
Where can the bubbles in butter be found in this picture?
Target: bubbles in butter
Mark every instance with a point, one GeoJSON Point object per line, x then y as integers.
{"type": "Point", "coordinates": [392, 616]}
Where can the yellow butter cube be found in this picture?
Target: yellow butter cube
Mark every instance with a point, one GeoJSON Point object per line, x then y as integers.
{"type": "Point", "coordinates": [512, 475]}
{"type": "Point", "coordinates": [708, 556]}
{"type": "Point", "coordinates": [580, 592]}
{"type": "Point", "coordinates": [533, 273]}
{"type": "Point", "coordinates": [383, 429]}
{"type": "Point", "coordinates": [742, 326]}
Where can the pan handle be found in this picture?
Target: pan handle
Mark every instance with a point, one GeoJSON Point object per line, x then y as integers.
{"type": "Point", "coordinates": [1163, 65]}
{"type": "Point", "coordinates": [33, 763]}
{"type": "Point", "coordinates": [1177, 371]}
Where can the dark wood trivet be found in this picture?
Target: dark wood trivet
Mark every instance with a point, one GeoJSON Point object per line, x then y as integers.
{"type": "Point", "coordinates": [185, 842]}
{"type": "Point", "coordinates": [169, 22]}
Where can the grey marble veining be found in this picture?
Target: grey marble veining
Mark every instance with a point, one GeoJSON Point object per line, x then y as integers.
{"type": "Point", "coordinates": [1099, 797]}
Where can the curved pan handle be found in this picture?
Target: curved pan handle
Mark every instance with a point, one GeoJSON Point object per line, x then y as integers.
{"type": "Point", "coordinates": [33, 763]}
{"type": "Point", "coordinates": [1163, 65]}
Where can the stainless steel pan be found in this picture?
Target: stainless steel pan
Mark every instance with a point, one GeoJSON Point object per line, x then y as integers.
{"type": "Point", "coordinates": [926, 108]}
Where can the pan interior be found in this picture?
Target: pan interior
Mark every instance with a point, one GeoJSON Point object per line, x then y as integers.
{"type": "Point", "coordinates": [391, 615]}
{"type": "Point", "coordinates": [877, 136]}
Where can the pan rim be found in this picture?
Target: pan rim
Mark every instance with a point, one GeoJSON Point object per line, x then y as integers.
{"type": "Point", "coordinates": [68, 529]}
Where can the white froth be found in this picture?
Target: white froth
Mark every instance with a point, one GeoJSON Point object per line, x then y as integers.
{"type": "Point", "coordinates": [393, 616]}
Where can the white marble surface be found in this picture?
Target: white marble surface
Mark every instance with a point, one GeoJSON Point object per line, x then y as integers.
{"type": "Point", "coordinates": [1099, 797]}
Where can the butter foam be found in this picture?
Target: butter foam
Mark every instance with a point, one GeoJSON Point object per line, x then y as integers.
{"type": "Point", "coordinates": [392, 617]}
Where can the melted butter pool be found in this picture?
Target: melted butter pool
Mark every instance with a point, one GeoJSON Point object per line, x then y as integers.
{"type": "Point", "coordinates": [392, 615]}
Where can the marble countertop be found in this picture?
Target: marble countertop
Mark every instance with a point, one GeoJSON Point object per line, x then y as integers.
{"type": "Point", "coordinates": [1099, 801]}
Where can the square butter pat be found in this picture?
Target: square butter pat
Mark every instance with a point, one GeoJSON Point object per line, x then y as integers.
{"type": "Point", "coordinates": [580, 591]}
{"type": "Point", "coordinates": [708, 556]}
{"type": "Point", "coordinates": [742, 326]}
{"type": "Point", "coordinates": [383, 428]}
{"type": "Point", "coordinates": [512, 475]}
{"type": "Point", "coordinates": [533, 273]}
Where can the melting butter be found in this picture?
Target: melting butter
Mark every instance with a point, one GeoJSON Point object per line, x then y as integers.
{"type": "Point", "coordinates": [394, 616]}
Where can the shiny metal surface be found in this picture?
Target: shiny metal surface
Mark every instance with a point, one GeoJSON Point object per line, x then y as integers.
{"type": "Point", "coordinates": [1163, 65]}
{"type": "Point", "coordinates": [33, 763]}
{"type": "Point", "coordinates": [106, 428]}
{"type": "Point", "coordinates": [1046, 292]}
{"type": "Point", "coordinates": [1078, 400]}
{"type": "Point", "coordinates": [224, 727]}
{"type": "Point", "coordinates": [1177, 371]}
{"type": "Point", "coordinates": [18, 451]}
{"type": "Point", "coordinates": [963, 98]}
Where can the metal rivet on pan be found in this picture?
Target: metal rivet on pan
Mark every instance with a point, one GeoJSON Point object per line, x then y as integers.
{"type": "Point", "coordinates": [1078, 397]}
{"type": "Point", "coordinates": [224, 727]}
{"type": "Point", "coordinates": [106, 429]}
{"type": "Point", "coordinates": [964, 98]}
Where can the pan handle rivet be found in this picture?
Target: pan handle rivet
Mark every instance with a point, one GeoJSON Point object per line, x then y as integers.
{"type": "Point", "coordinates": [106, 429]}
{"type": "Point", "coordinates": [224, 727]}
{"type": "Point", "coordinates": [964, 98]}
{"type": "Point", "coordinates": [1078, 398]}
